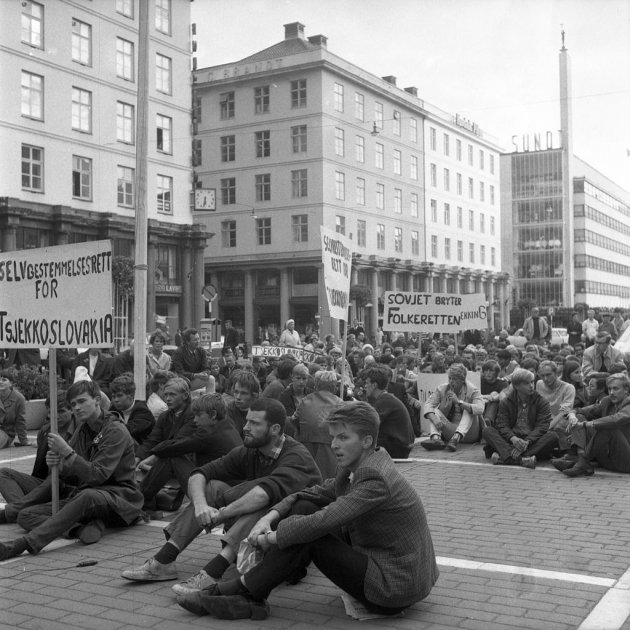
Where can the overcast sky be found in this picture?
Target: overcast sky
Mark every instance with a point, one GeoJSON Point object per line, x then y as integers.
{"type": "Point", "coordinates": [492, 61]}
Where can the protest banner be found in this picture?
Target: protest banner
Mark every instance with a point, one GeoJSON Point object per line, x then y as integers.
{"type": "Point", "coordinates": [434, 312]}
{"type": "Point", "coordinates": [337, 261]}
{"type": "Point", "coordinates": [276, 351]}
{"type": "Point", "coordinates": [57, 297]}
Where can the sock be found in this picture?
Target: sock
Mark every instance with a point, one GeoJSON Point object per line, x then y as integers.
{"type": "Point", "coordinates": [167, 554]}
{"type": "Point", "coordinates": [3, 517]}
{"type": "Point", "coordinates": [216, 567]}
{"type": "Point", "coordinates": [231, 587]}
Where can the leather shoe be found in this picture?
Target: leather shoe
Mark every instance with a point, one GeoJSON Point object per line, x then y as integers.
{"type": "Point", "coordinates": [563, 463]}
{"type": "Point", "coordinates": [433, 445]}
{"type": "Point", "coordinates": [192, 603]}
{"type": "Point", "coordinates": [582, 468]}
{"type": "Point", "coordinates": [242, 606]}
{"type": "Point", "coordinates": [452, 444]}
{"type": "Point", "coordinates": [13, 548]}
{"type": "Point", "coordinates": [528, 462]}
{"type": "Point", "coordinates": [91, 532]}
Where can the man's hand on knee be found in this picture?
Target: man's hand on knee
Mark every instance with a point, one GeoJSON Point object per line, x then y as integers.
{"type": "Point", "coordinates": [206, 516]}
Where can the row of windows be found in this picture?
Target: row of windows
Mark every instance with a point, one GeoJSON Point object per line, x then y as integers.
{"type": "Point", "coordinates": [447, 251]}
{"type": "Point", "coordinates": [601, 288]}
{"type": "Point", "coordinates": [601, 218]}
{"type": "Point", "coordinates": [446, 150]}
{"type": "Point", "coordinates": [581, 185]}
{"type": "Point", "coordinates": [587, 236]}
{"type": "Point", "coordinates": [262, 186]}
{"type": "Point", "coordinates": [602, 264]}
{"type": "Point", "coordinates": [32, 26]}
{"type": "Point", "coordinates": [297, 99]}
{"type": "Point", "coordinates": [446, 215]}
{"type": "Point", "coordinates": [262, 143]}
{"type": "Point", "coordinates": [32, 173]}
{"type": "Point", "coordinates": [459, 184]}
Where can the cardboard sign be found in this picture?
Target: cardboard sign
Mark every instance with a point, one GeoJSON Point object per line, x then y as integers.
{"type": "Point", "coordinates": [337, 260]}
{"type": "Point", "coordinates": [277, 351]}
{"type": "Point", "coordinates": [57, 297]}
{"type": "Point", "coordinates": [434, 312]}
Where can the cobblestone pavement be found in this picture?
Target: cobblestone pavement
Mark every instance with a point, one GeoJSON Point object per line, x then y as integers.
{"type": "Point", "coordinates": [516, 548]}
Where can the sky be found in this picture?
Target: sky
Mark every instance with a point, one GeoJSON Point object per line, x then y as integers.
{"type": "Point", "coordinates": [494, 62]}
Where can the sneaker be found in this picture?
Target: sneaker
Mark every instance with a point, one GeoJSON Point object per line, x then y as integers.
{"type": "Point", "coordinates": [495, 458]}
{"type": "Point", "coordinates": [433, 444]}
{"type": "Point", "coordinates": [195, 583]}
{"type": "Point", "coordinates": [151, 571]}
{"type": "Point", "coordinates": [91, 532]}
{"type": "Point", "coordinates": [529, 462]}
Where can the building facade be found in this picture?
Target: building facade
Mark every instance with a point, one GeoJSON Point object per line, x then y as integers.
{"type": "Point", "coordinates": [293, 138]}
{"type": "Point", "coordinates": [68, 117]}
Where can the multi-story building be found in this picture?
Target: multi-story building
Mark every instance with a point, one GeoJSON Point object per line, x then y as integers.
{"type": "Point", "coordinates": [68, 118]}
{"type": "Point", "coordinates": [293, 138]}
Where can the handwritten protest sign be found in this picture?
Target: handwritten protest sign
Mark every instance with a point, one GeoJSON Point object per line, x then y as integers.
{"type": "Point", "coordinates": [277, 351]}
{"type": "Point", "coordinates": [434, 312]}
{"type": "Point", "coordinates": [57, 297]}
{"type": "Point", "coordinates": [337, 260]}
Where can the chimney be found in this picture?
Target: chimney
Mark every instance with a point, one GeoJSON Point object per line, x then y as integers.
{"type": "Point", "coordinates": [390, 79]}
{"type": "Point", "coordinates": [295, 30]}
{"type": "Point", "coordinates": [319, 40]}
{"type": "Point", "coordinates": [412, 90]}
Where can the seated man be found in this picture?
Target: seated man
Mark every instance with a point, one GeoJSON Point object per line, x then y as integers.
{"type": "Point", "coordinates": [99, 489]}
{"type": "Point", "coordinates": [451, 411]}
{"type": "Point", "coordinates": [135, 413]}
{"type": "Point", "coordinates": [234, 490]}
{"type": "Point", "coordinates": [245, 389]}
{"type": "Point", "coordinates": [366, 530]}
{"type": "Point", "coordinates": [600, 432]}
{"type": "Point", "coordinates": [521, 434]}
{"type": "Point", "coordinates": [559, 395]}
{"type": "Point", "coordinates": [190, 359]}
{"type": "Point", "coordinates": [601, 356]}
{"type": "Point", "coordinates": [98, 366]}
{"type": "Point", "coordinates": [491, 388]}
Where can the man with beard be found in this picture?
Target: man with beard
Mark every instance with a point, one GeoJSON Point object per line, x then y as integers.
{"type": "Point", "coordinates": [234, 491]}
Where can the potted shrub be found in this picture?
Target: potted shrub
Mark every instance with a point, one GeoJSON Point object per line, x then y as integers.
{"type": "Point", "coordinates": [33, 385]}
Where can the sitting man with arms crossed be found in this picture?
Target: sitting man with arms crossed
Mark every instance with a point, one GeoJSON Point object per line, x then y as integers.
{"type": "Point", "coordinates": [365, 529]}
{"type": "Point", "coordinates": [602, 357]}
{"type": "Point", "coordinates": [234, 490]}
{"type": "Point", "coordinates": [97, 467]}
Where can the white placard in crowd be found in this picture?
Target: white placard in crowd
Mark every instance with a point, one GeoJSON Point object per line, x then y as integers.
{"type": "Point", "coordinates": [57, 297]}
{"type": "Point", "coordinates": [434, 312]}
{"type": "Point", "coordinates": [337, 260]}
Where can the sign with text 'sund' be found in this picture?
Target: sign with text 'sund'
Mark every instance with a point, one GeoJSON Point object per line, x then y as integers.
{"type": "Point", "coordinates": [337, 261]}
{"type": "Point", "coordinates": [57, 297]}
{"type": "Point", "coordinates": [434, 312]}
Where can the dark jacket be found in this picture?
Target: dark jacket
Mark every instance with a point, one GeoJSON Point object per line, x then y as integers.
{"type": "Point", "coordinates": [538, 417]}
{"type": "Point", "coordinates": [12, 416]}
{"type": "Point", "coordinates": [395, 433]}
{"type": "Point", "coordinates": [140, 422]}
{"type": "Point", "coordinates": [103, 373]}
{"type": "Point", "coordinates": [187, 362]}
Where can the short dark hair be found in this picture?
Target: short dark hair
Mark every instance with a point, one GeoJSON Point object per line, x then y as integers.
{"type": "Point", "coordinates": [285, 368]}
{"type": "Point", "coordinates": [275, 412]}
{"type": "Point", "coordinates": [209, 403]}
{"type": "Point", "coordinates": [360, 416]}
{"type": "Point", "coordinates": [82, 387]}
{"type": "Point", "coordinates": [491, 364]}
{"type": "Point", "coordinates": [380, 375]}
{"type": "Point", "coordinates": [123, 384]}
{"type": "Point", "coordinates": [157, 334]}
{"type": "Point", "coordinates": [188, 333]}
{"type": "Point", "coordinates": [245, 379]}
{"type": "Point", "coordinates": [161, 377]}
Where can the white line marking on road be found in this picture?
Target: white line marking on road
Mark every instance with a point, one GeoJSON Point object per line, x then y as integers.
{"type": "Point", "coordinates": [613, 608]}
{"type": "Point", "coordinates": [16, 459]}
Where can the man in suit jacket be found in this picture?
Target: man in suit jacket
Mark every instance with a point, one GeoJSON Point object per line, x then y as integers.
{"type": "Point", "coordinates": [601, 356]}
{"type": "Point", "coordinates": [99, 367]}
{"type": "Point", "coordinates": [366, 530]}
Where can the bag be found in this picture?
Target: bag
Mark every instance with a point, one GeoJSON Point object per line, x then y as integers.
{"type": "Point", "coordinates": [248, 557]}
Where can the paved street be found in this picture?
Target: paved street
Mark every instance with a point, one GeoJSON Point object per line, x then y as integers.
{"type": "Point", "coordinates": [516, 548]}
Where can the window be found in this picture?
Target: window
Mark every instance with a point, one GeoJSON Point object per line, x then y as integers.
{"type": "Point", "coordinates": [228, 233]}
{"type": "Point", "coordinates": [433, 174]}
{"type": "Point", "coordinates": [125, 186]}
{"type": "Point", "coordinates": [413, 204]}
{"type": "Point", "coordinates": [433, 138]}
{"type": "Point", "coordinates": [228, 148]}
{"type": "Point", "coordinates": [298, 138]}
{"type": "Point", "coordinates": [491, 195]}
{"type": "Point", "coordinates": [481, 159]}
{"type": "Point", "coordinates": [360, 192]}
{"type": "Point", "coordinates": [298, 93]}
{"type": "Point", "coordinates": [81, 177]}
{"type": "Point", "coordinates": [398, 200]}
{"type": "Point", "coordinates": [470, 155]}
{"type": "Point", "coordinates": [458, 149]}
{"type": "Point", "coordinates": [81, 42]}
{"type": "Point", "coordinates": [226, 105]}
{"type": "Point", "coordinates": [446, 143]}
{"type": "Point", "coordinates": [124, 59]}
{"type": "Point", "coordinates": [471, 220]}
{"type": "Point", "coordinates": [447, 248]}
{"type": "Point", "coordinates": [413, 167]}
{"type": "Point", "coordinates": [482, 254]}
{"type": "Point", "coordinates": [492, 164]}
{"type": "Point", "coordinates": [263, 231]}
{"type": "Point", "coordinates": [125, 7]}
{"type": "Point", "coordinates": [340, 224]}
{"type": "Point", "coordinates": [338, 97]}
{"type": "Point", "coordinates": [361, 232]}
{"type": "Point", "coordinates": [447, 214]}
{"type": "Point", "coordinates": [460, 251]}
{"type": "Point", "coordinates": [380, 155]}
{"type": "Point", "coordinates": [447, 179]}
{"type": "Point", "coordinates": [434, 210]}
{"type": "Point", "coordinates": [482, 191]}
{"type": "Point", "coordinates": [471, 252]}
{"type": "Point", "coordinates": [493, 257]}
{"type": "Point", "coordinates": [340, 185]}
{"type": "Point", "coordinates": [415, 243]}
{"type": "Point", "coordinates": [164, 194]}
{"type": "Point", "coordinates": [359, 148]}
{"type": "Point", "coordinates": [263, 143]}
{"type": "Point", "coordinates": [396, 123]}
{"type": "Point", "coordinates": [460, 217]}
{"type": "Point", "coordinates": [492, 226]}
{"type": "Point", "coordinates": [398, 236]}
{"type": "Point", "coordinates": [339, 142]}
{"type": "Point", "coordinates": [458, 178]}
{"type": "Point", "coordinates": [32, 168]}
{"type": "Point", "coordinates": [261, 99]}
{"type": "Point", "coordinates": [228, 191]}
{"type": "Point", "coordinates": [299, 183]}
{"type": "Point", "coordinates": [163, 74]}
{"type": "Point", "coordinates": [397, 162]}
{"type": "Point", "coordinates": [471, 188]}
{"type": "Point", "coordinates": [124, 122]}
{"type": "Point", "coordinates": [33, 24]}
{"type": "Point", "coordinates": [164, 126]}
{"type": "Point", "coordinates": [163, 16]}
{"type": "Point", "coordinates": [81, 110]}
{"type": "Point", "coordinates": [359, 106]}
{"type": "Point", "coordinates": [482, 222]}
{"type": "Point", "coordinates": [299, 223]}
{"type": "Point", "coordinates": [378, 114]}
{"type": "Point", "coordinates": [380, 236]}
{"type": "Point", "coordinates": [434, 246]}
{"type": "Point", "coordinates": [413, 130]}
{"type": "Point", "coordinates": [263, 187]}
{"type": "Point", "coordinates": [380, 196]}
{"type": "Point", "coordinates": [32, 95]}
